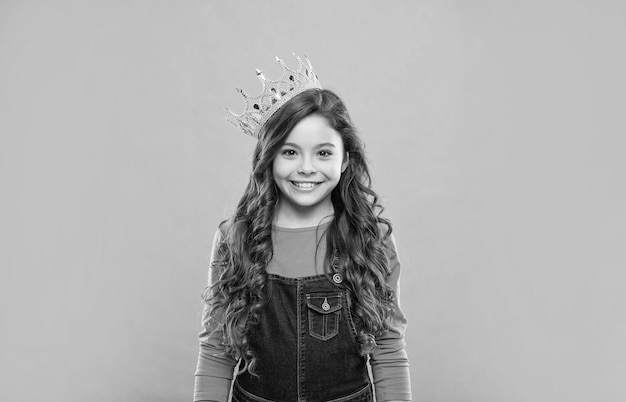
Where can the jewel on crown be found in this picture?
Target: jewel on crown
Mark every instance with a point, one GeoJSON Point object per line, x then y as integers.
{"type": "Point", "coordinates": [275, 94]}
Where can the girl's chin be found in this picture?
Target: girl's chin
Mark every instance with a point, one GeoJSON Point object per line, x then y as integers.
{"type": "Point", "coordinates": [303, 200]}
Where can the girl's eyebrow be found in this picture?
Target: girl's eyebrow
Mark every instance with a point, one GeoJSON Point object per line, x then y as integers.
{"type": "Point", "coordinates": [324, 144]}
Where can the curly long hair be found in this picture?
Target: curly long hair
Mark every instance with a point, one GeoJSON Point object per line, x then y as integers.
{"type": "Point", "coordinates": [355, 239]}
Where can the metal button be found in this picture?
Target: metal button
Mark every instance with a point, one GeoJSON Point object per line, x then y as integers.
{"type": "Point", "coordinates": [325, 305]}
{"type": "Point", "coordinates": [337, 278]}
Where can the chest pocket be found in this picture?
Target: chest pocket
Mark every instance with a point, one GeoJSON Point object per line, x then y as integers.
{"type": "Point", "coordinates": [324, 312]}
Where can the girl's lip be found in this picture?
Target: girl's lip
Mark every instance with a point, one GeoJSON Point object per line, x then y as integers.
{"type": "Point", "coordinates": [307, 185]}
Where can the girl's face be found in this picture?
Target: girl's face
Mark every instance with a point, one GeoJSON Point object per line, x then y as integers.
{"type": "Point", "coordinates": [308, 167]}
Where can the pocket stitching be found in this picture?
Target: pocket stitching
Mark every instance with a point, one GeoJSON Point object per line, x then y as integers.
{"type": "Point", "coordinates": [325, 316]}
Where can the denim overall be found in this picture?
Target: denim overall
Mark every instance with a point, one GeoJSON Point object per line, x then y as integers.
{"type": "Point", "coordinates": [305, 344]}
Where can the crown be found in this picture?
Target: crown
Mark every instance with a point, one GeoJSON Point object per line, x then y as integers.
{"type": "Point", "coordinates": [274, 95]}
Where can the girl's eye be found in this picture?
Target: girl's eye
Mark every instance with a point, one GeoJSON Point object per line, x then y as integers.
{"type": "Point", "coordinates": [325, 154]}
{"type": "Point", "coordinates": [289, 152]}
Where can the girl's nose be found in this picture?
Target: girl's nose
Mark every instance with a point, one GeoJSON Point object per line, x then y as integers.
{"type": "Point", "coordinates": [306, 167]}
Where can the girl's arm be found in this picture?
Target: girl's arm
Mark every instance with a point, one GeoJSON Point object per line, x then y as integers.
{"type": "Point", "coordinates": [214, 372]}
{"type": "Point", "coordinates": [389, 361]}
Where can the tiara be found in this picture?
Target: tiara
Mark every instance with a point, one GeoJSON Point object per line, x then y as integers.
{"type": "Point", "coordinates": [274, 95]}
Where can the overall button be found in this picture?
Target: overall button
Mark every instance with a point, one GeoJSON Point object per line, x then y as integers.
{"type": "Point", "coordinates": [325, 305]}
{"type": "Point", "coordinates": [337, 278]}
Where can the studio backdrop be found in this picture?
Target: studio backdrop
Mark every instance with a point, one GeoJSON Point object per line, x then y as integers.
{"type": "Point", "coordinates": [496, 142]}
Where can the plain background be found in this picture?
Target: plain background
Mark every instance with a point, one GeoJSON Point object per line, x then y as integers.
{"type": "Point", "coordinates": [496, 135]}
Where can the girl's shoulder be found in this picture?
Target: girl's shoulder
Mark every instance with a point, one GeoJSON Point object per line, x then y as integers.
{"type": "Point", "coordinates": [223, 228]}
{"type": "Point", "coordinates": [385, 229]}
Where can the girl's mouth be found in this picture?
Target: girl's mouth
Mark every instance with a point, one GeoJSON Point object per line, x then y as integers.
{"type": "Point", "coordinates": [305, 185]}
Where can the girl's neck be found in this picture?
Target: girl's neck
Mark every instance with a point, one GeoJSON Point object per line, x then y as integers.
{"type": "Point", "coordinates": [286, 217]}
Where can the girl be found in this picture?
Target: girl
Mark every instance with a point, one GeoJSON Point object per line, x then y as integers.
{"type": "Point", "coordinates": [304, 276]}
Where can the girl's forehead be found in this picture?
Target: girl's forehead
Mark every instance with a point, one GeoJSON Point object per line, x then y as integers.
{"type": "Point", "coordinates": [313, 130]}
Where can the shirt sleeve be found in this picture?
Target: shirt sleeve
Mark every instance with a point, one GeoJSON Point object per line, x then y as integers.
{"type": "Point", "coordinates": [214, 373]}
{"type": "Point", "coordinates": [389, 361]}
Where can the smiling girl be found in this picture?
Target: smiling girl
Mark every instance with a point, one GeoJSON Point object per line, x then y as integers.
{"type": "Point", "coordinates": [304, 277]}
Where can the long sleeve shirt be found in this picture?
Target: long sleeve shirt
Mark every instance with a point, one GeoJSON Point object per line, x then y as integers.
{"type": "Point", "coordinates": [295, 255]}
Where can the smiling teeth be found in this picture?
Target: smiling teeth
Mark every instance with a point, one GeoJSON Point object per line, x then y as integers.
{"type": "Point", "coordinates": [304, 185]}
